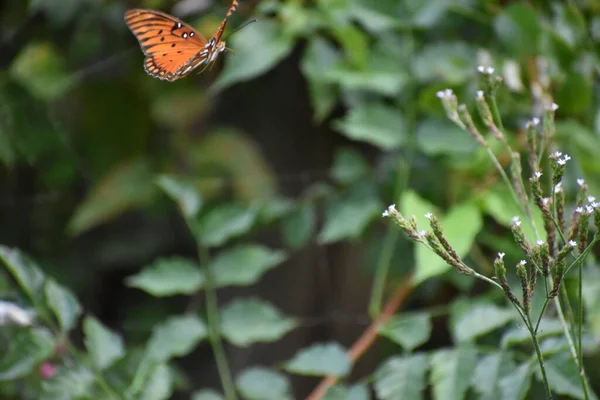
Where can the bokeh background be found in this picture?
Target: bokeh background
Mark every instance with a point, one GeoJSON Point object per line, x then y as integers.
{"type": "Point", "coordinates": [323, 114]}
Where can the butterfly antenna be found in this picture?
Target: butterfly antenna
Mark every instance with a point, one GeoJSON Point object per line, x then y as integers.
{"type": "Point", "coordinates": [240, 28]}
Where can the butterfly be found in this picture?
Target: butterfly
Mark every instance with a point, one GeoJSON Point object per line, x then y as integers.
{"type": "Point", "coordinates": [173, 49]}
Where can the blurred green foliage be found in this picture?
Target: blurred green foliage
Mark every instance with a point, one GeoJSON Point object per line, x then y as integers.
{"type": "Point", "coordinates": [94, 154]}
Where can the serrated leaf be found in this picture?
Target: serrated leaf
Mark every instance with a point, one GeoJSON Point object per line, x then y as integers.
{"type": "Point", "coordinates": [377, 124]}
{"type": "Point", "coordinates": [176, 337]}
{"type": "Point", "coordinates": [186, 195]}
{"type": "Point", "coordinates": [249, 60]}
{"type": "Point", "coordinates": [25, 351]}
{"type": "Point", "coordinates": [409, 331]}
{"type": "Point", "coordinates": [515, 386]}
{"type": "Point", "coordinates": [259, 383]}
{"type": "Point", "coordinates": [223, 223]}
{"type": "Point", "coordinates": [63, 303]}
{"type": "Point", "coordinates": [70, 383]}
{"type": "Point", "coordinates": [490, 369]}
{"type": "Point", "coordinates": [299, 226]}
{"type": "Point", "coordinates": [478, 319]}
{"type": "Point", "coordinates": [169, 277]}
{"type": "Point", "coordinates": [450, 370]}
{"type": "Point", "coordinates": [159, 384]}
{"type": "Point", "coordinates": [348, 217]}
{"type": "Point", "coordinates": [462, 223]}
{"type": "Point", "coordinates": [401, 378]}
{"type": "Point", "coordinates": [24, 270]}
{"type": "Point", "coordinates": [207, 394]}
{"type": "Point", "coordinates": [247, 321]}
{"type": "Point", "coordinates": [244, 265]}
{"type": "Point", "coordinates": [320, 360]}
{"type": "Point", "coordinates": [104, 346]}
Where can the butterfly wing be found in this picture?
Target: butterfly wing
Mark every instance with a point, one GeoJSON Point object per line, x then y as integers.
{"type": "Point", "coordinates": [172, 47]}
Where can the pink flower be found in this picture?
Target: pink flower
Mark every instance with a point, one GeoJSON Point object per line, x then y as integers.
{"type": "Point", "coordinates": [47, 370]}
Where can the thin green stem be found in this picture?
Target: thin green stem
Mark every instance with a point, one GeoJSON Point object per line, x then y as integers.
{"type": "Point", "coordinates": [381, 272]}
{"type": "Point", "coordinates": [540, 358]}
{"type": "Point", "coordinates": [495, 112]}
{"type": "Point", "coordinates": [213, 326]}
{"type": "Point", "coordinates": [537, 325]}
{"type": "Point", "coordinates": [582, 373]}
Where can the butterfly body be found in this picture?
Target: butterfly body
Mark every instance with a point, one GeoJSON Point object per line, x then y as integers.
{"type": "Point", "coordinates": [173, 49]}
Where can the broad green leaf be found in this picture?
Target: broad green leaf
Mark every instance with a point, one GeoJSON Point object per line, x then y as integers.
{"type": "Point", "coordinates": [127, 185]}
{"type": "Point", "coordinates": [515, 386]}
{"type": "Point", "coordinates": [348, 217]}
{"type": "Point", "coordinates": [375, 123]}
{"type": "Point", "coordinates": [249, 60]}
{"type": "Point", "coordinates": [355, 44]}
{"type": "Point", "coordinates": [409, 331]}
{"type": "Point", "coordinates": [518, 27]}
{"type": "Point", "coordinates": [591, 300]}
{"type": "Point", "coordinates": [104, 346]}
{"type": "Point", "coordinates": [207, 394]}
{"type": "Point", "coordinates": [299, 226]}
{"type": "Point", "coordinates": [377, 16]}
{"type": "Point", "coordinates": [186, 195]}
{"type": "Point", "coordinates": [490, 369]}
{"type": "Point", "coordinates": [26, 349]}
{"type": "Point", "coordinates": [428, 14]}
{"type": "Point", "coordinates": [175, 337]}
{"type": "Point", "coordinates": [412, 204]}
{"type": "Point", "coordinates": [401, 378]}
{"type": "Point", "coordinates": [76, 382]}
{"type": "Point", "coordinates": [169, 277]}
{"type": "Point", "coordinates": [460, 225]}
{"type": "Point", "coordinates": [377, 79]}
{"type": "Point", "coordinates": [41, 69]}
{"type": "Point", "coordinates": [247, 321]}
{"type": "Point", "coordinates": [319, 56]}
{"type": "Point", "coordinates": [517, 336]}
{"type": "Point", "coordinates": [450, 371]}
{"type": "Point", "coordinates": [159, 384]}
{"type": "Point", "coordinates": [438, 137]}
{"type": "Point", "coordinates": [452, 63]}
{"type": "Point", "coordinates": [244, 265]}
{"type": "Point", "coordinates": [569, 24]}
{"type": "Point", "coordinates": [349, 165]}
{"type": "Point", "coordinates": [329, 359]}
{"type": "Point", "coordinates": [259, 383]}
{"type": "Point", "coordinates": [563, 376]}
{"type": "Point", "coordinates": [475, 320]}
{"type": "Point", "coordinates": [24, 270]}
{"type": "Point", "coordinates": [575, 94]}
{"type": "Point", "coordinates": [63, 303]}
{"type": "Point", "coordinates": [355, 392]}
{"type": "Point", "coordinates": [223, 223]}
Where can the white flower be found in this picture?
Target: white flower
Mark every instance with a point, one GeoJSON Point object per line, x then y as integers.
{"type": "Point", "coordinates": [535, 121]}
{"type": "Point", "coordinates": [580, 182]}
{"type": "Point", "coordinates": [540, 242]}
{"type": "Point", "coordinates": [591, 199]}
{"type": "Point", "coordinates": [538, 174]}
{"type": "Point", "coordinates": [546, 200]}
{"type": "Point", "coordinates": [428, 215]}
{"type": "Point", "coordinates": [501, 256]}
{"type": "Point", "coordinates": [516, 221]}
{"type": "Point", "coordinates": [554, 107]}
{"type": "Point", "coordinates": [572, 243]}
{"type": "Point", "coordinates": [480, 94]}
{"type": "Point", "coordinates": [522, 262]}
{"type": "Point", "coordinates": [579, 210]}
{"type": "Point", "coordinates": [385, 214]}
{"type": "Point", "coordinates": [481, 69]}
{"type": "Point", "coordinates": [589, 209]}
{"type": "Point", "coordinates": [558, 187]}
{"type": "Point", "coordinates": [422, 233]}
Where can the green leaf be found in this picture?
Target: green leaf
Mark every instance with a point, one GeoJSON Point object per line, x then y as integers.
{"type": "Point", "coordinates": [518, 27]}
{"type": "Point", "coordinates": [518, 336]}
{"type": "Point", "coordinates": [186, 195]}
{"type": "Point", "coordinates": [41, 69]}
{"type": "Point", "coordinates": [258, 383]}
{"type": "Point", "coordinates": [451, 63]}
{"type": "Point", "coordinates": [460, 225]}
{"type": "Point", "coordinates": [401, 378]}
{"type": "Point", "coordinates": [474, 320]}
{"type": "Point", "coordinates": [355, 392]}
{"type": "Point", "coordinates": [355, 44]}
{"type": "Point", "coordinates": [348, 217]}
{"type": "Point", "coordinates": [320, 360]}
{"type": "Point", "coordinates": [105, 347]}
{"type": "Point", "coordinates": [207, 394]}
{"type": "Point", "coordinates": [450, 371]}
{"type": "Point", "coordinates": [563, 376]}
{"type": "Point", "coordinates": [376, 17]}
{"type": "Point", "coordinates": [169, 277]}
{"type": "Point", "coordinates": [575, 94]}
{"type": "Point", "coordinates": [70, 383]}
{"type": "Point", "coordinates": [127, 185]}
{"type": "Point", "coordinates": [24, 270]}
{"type": "Point", "coordinates": [63, 303]}
{"type": "Point", "coordinates": [428, 14]}
{"type": "Point", "coordinates": [26, 349]}
{"type": "Point", "coordinates": [410, 331]}
{"type": "Point", "coordinates": [377, 124]}
{"type": "Point", "coordinates": [490, 369]}
{"type": "Point", "coordinates": [247, 321]}
{"type": "Point", "coordinates": [569, 24]}
{"type": "Point", "coordinates": [299, 226]}
{"type": "Point", "coordinates": [244, 265]}
{"type": "Point", "coordinates": [412, 204]}
{"type": "Point", "coordinates": [349, 165]}
{"type": "Point", "coordinates": [225, 222]}
{"type": "Point", "coordinates": [176, 337]}
{"type": "Point", "coordinates": [515, 386]}
{"type": "Point", "coordinates": [159, 384]}
{"type": "Point", "coordinates": [437, 137]}
{"type": "Point", "coordinates": [249, 60]}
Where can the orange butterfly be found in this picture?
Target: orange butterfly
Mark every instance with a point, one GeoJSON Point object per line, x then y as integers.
{"type": "Point", "coordinates": [172, 48]}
